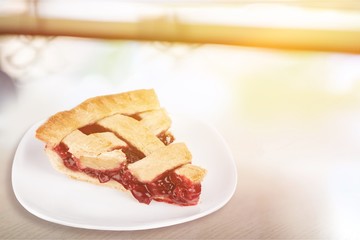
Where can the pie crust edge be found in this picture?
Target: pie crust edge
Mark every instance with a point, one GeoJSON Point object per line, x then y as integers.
{"type": "Point", "coordinates": [63, 123]}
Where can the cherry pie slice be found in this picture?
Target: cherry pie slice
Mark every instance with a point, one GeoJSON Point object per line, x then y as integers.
{"type": "Point", "coordinates": [123, 141]}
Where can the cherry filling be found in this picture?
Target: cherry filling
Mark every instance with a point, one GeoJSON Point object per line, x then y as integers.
{"type": "Point", "coordinates": [166, 137]}
{"type": "Point", "coordinates": [168, 187]}
{"type": "Point", "coordinates": [68, 159]}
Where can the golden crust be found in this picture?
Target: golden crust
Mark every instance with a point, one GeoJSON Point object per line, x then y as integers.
{"type": "Point", "coordinates": [80, 144]}
{"type": "Point", "coordinates": [95, 150]}
{"type": "Point", "coordinates": [133, 132]}
{"type": "Point", "coordinates": [166, 158]}
{"type": "Point", "coordinates": [157, 121]}
{"type": "Point", "coordinates": [103, 161]}
{"type": "Point", "coordinates": [193, 173]}
{"type": "Point", "coordinates": [62, 123]}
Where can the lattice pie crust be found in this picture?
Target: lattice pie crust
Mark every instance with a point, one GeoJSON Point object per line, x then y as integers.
{"type": "Point", "coordinates": [123, 141]}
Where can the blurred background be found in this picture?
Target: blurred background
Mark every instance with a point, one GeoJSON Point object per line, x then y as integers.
{"type": "Point", "coordinates": [280, 80]}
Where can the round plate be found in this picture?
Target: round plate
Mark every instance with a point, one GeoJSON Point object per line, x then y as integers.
{"type": "Point", "coordinates": [56, 198]}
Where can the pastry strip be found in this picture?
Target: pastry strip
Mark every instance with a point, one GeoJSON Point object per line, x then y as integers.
{"type": "Point", "coordinates": [191, 172]}
{"type": "Point", "coordinates": [80, 144]}
{"type": "Point", "coordinates": [95, 150]}
{"type": "Point", "coordinates": [157, 121]}
{"type": "Point", "coordinates": [133, 132]}
{"type": "Point", "coordinates": [164, 159]}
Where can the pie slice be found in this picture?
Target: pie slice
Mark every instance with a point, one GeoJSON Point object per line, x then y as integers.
{"type": "Point", "coordinates": [123, 141]}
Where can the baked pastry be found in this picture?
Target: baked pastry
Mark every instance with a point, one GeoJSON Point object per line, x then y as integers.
{"type": "Point", "coordinates": [123, 141]}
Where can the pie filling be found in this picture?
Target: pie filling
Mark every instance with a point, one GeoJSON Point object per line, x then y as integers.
{"type": "Point", "coordinates": [168, 187]}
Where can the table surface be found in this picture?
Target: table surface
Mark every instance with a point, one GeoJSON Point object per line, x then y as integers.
{"type": "Point", "coordinates": [291, 120]}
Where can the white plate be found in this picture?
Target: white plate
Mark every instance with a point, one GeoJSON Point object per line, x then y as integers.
{"type": "Point", "coordinates": [56, 198]}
